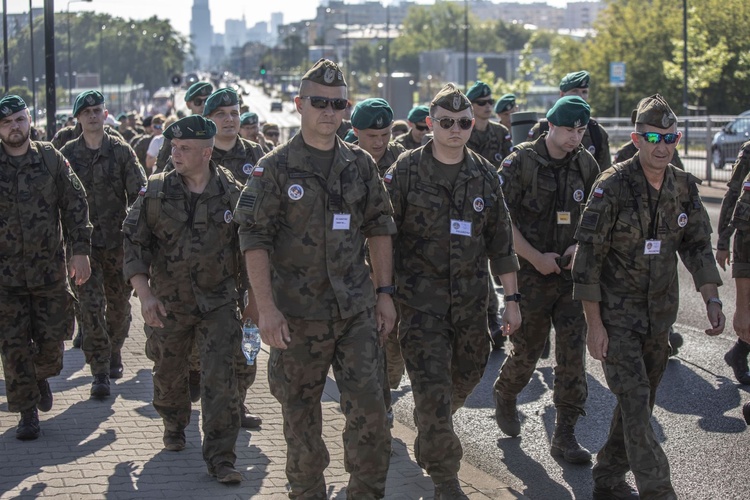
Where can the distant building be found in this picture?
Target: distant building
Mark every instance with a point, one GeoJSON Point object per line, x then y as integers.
{"type": "Point", "coordinates": [235, 33]}
{"type": "Point", "coordinates": [201, 32]}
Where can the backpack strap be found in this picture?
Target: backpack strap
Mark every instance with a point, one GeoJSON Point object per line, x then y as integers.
{"type": "Point", "coordinates": [154, 191]}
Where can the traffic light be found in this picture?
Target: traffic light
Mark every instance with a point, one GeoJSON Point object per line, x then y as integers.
{"type": "Point", "coordinates": [262, 70]}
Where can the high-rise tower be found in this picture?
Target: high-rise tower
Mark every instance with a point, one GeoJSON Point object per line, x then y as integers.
{"type": "Point", "coordinates": [201, 32]}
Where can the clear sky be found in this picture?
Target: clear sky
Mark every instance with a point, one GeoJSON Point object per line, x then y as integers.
{"type": "Point", "coordinates": [179, 11]}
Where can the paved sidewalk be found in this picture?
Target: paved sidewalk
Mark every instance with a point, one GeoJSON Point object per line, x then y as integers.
{"type": "Point", "coordinates": [113, 449]}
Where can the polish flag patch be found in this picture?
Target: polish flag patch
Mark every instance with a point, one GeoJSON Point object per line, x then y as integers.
{"type": "Point", "coordinates": [746, 186]}
{"type": "Point", "coordinates": [142, 192]}
{"type": "Point", "coordinates": [598, 193]}
{"type": "Point", "coordinates": [388, 178]}
{"type": "Point", "coordinates": [258, 171]}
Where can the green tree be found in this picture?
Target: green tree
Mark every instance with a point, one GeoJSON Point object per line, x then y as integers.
{"type": "Point", "coordinates": [362, 58]}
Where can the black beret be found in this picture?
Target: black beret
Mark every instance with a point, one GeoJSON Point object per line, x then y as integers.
{"type": "Point", "coordinates": [11, 104]}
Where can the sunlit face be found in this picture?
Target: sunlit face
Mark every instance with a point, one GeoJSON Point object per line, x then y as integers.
{"type": "Point", "coordinates": [504, 117]}
{"type": "Point", "coordinates": [419, 130]}
{"type": "Point", "coordinates": [249, 132]}
{"type": "Point", "coordinates": [582, 93]}
{"type": "Point", "coordinates": [455, 136]}
{"type": "Point", "coordinates": [92, 118]}
{"type": "Point", "coordinates": [15, 129]}
{"type": "Point", "coordinates": [655, 156]}
{"type": "Point", "coordinates": [227, 120]}
{"type": "Point", "coordinates": [322, 122]}
{"type": "Point", "coordinates": [563, 140]}
{"type": "Point", "coordinates": [374, 141]}
{"type": "Point", "coordinates": [190, 156]}
{"type": "Point", "coordinates": [483, 108]}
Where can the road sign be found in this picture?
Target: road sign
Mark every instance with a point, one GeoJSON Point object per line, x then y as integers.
{"type": "Point", "coordinates": [617, 74]}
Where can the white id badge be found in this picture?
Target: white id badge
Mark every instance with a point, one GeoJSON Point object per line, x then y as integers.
{"type": "Point", "coordinates": [461, 227]}
{"type": "Point", "coordinates": [652, 247]}
{"type": "Point", "coordinates": [563, 218]}
{"type": "Point", "coordinates": [341, 222]}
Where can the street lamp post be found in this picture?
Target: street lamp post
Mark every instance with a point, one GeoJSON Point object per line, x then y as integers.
{"type": "Point", "coordinates": [70, 71]}
{"type": "Point", "coordinates": [466, 45]}
{"type": "Point", "coordinates": [31, 39]}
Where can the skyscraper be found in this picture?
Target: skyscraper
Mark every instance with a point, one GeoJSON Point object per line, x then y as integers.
{"type": "Point", "coordinates": [201, 32]}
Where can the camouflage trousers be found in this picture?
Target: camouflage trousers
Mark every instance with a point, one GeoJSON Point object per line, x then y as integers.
{"type": "Point", "coordinates": [218, 334]}
{"type": "Point", "coordinates": [444, 362]}
{"type": "Point", "coordinates": [633, 368]}
{"type": "Point", "coordinates": [104, 308]}
{"type": "Point", "coordinates": [33, 326]}
{"type": "Point", "coordinates": [548, 301]}
{"type": "Point", "coordinates": [297, 376]}
{"type": "Point", "coordinates": [393, 365]}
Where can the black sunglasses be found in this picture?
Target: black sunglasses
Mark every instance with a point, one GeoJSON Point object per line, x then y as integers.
{"type": "Point", "coordinates": [484, 102]}
{"type": "Point", "coordinates": [421, 128]}
{"type": "Point", "coordinates": [656, 137]}
{"type": "Point", "coordinates": [447, 123]}
{"type": "Point", "coordinates": [199, 102]}
{"type": "Point", "coordinates": [322, 102]}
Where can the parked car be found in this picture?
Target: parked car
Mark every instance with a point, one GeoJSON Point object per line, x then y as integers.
{"type": "Point", "coordinates": [276, 106]}
{"type": "Point", "coordinates": [726, 142]}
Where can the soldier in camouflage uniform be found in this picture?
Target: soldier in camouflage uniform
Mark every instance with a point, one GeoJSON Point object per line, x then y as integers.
{"type": "Point", "coordinates": [741, 265]}
{"type": "Point", "coordinates": [639, 215]}
{"type": "Point", "coordinates": [113, 178]}
{"type": "Point", "coordinates": [67, 134]}
{"type": "Point", "coordinates": [451, 219]}
{"type": "Point", "coordinates": [546, 183]}
{"type": "Point", "coordinates": [306, 214]}
{"type": "Point", "coordinates": [250, 130]}
{"type": "Point", "coordinates": [195, 100]}
{"type": "Point", "coordinates": [736, 357]}
{"type": "Point", "coordinates": [417, 128]}
{"type": "Point", "coordinates": [596, 139]}
{"type": "Point", "coordinates": [372, 119]}
{"type": "Point", "coordinates": [628, 150]}
{"type": "Point", "coordinates": [182, 258]}
{"type": "Point", "coordinates": [504, 107]}
{"type": "Point", "coordinates": [40, 197]}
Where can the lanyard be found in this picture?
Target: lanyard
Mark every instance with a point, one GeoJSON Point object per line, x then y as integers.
{"type": "Point", "coordinates": [653, 212]}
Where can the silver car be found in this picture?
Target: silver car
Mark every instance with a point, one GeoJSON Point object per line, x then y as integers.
{"type": "Point", "coordinates": [726, 142]}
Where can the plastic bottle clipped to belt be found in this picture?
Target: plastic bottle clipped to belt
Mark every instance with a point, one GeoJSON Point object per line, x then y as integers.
{"type": "Point", "coordinates": [250, 341]}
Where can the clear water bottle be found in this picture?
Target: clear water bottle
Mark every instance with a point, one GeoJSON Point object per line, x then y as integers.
{"type": "Point", "coordinates": [250, 341]}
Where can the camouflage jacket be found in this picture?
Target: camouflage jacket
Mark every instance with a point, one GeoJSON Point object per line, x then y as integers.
{"type": "Point", "coordinates": [287, 207]}
{"type": "Point", "coordinates": [537, 188]}
{"type": "Point", "coordinates": [494, 143]}
{"type": "Point", "coordinates": [241, 159]}
{"type": "Point", "coordinates": [39, 199]}
{"type": "Point", "coordinates": [438, 271]}
{"type": "Point", "coordinates": [638, 291]}
{"type": "Point", "coordinates": [407, 141]}
{"type": "Point", "coordinates": [191, 256]}
{"type": "Point", "coordinates": [67, 134]}
{"type": "Point", "coordinates": [600, 152]}
{"type": "Point", "coordinates": [740, 221]}
{"type": "Point", "coordinates": [392, 152]}
{"type": "Point", "coordinates": [628, 150]}
{"type": "Point", "coordinates": [140, 145]}
{"type": "Point", "coordinates": [739, 171]}
{"type": "Point", "coordinates": [112, 178]}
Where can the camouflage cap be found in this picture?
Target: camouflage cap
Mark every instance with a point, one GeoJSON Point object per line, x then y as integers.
{"type": "Point", "coordinates": [269, 126]}
{"type": "Point", "coordinates": [86, 100]}
{"type": "Point", "coordinates": [418, 114]}
{"type": "Point", "coordinates": [350, 136]}
{"type": "Point", "coordinates": [577, 80]}
{"type": "Point", "coordinates": [451, 98]}
{"type": "Point", "coordinates": [248, 118]}
{"type": "Point", "coordinates": [478, 91]}
{"type": "Point", "coordinates": [399, 127]}
{"type": "Point", "coordinates": [373, 113]}
{"type": "Point", "coordinates": [220, 98]}
{"type": "Point", "coordinates": [325, 72]}
{"type": "Point", "coordinates": [11, 104]}
{"type": "Point", "coordinates": [633, 114]}
{"type": "Point", "coordinates": [505, 103]}
{"type": "Point", "coordinates": [655, 111]}
{"type": "Point", "coordinates": [191, 127]}
{"type": "Point", "coordinates": [569, 111]}
{"type": "Point", "coordinates": [198, 89]}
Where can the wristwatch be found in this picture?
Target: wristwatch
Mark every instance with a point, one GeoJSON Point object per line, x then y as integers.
{"type": "Point", "coordinates": [390, 290]}
{"type": "Point", "coordinates": [516, 297]}
{"type": "Point", "coordinates": [715, 300]}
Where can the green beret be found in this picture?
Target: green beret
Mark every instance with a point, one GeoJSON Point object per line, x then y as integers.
{"type": "Point", "coordinates": [372, 113]}
{"type": "Point", "coordinates": [350, 136]}
{"type": "Point", "coordinates": [222, 97]}
{"type": "Point", "coordinates": [505, 103]}
{"type": "Point", "coordinates": [11, 104]}
{"type": "Point", "coordinates": [198, 89]}
{"type": "Point", "coordinates": [248, 118]}
{"type": "Point", "coordinates": [478, 91]}
{"type": "Point", "coordinates": [191, 127]}
{"type": "Point", "coordinates": [577, 80]}
{"type": "Point", "coordinates": [451, 98]}
{"type": "Point", "coordinates": [325, 72]}
{"type": "Point", "coordinates": [86, 100]}
{"type": "Point", "coordinates": [121, 117]}
{"type": "Point", "coordinates": [569, 111]}
{"type": "Point", "coordinates": [418, 114]}
{"type": "Point", "coordinates": [656, 112]}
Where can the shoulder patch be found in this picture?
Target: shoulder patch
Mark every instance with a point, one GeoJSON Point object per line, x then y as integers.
{"type": "Point", "coordinates": [589, 220]}
{"type": "Point", "coordinates": [247, 200]}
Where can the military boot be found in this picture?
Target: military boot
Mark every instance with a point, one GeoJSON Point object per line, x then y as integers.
{"type": "Point", "coordinates": [225, 473]}
{"type": "Point", "coordinates": [115, 365]}
{"type": "Point", "coordinates": [248, 420]}
{"type": "Point", "coordinates": [100, 386]}
{"type": "Point", "coordinates": [45, 393]}
{"type": "Point", "coordinates": [565, 445]}
{"type": "Point", "coordinates": [28, 426]}
{"type": "Point", "coordinates": [194, 381]}
{"type": "Point", "coordinates": [621, 491]}
{"type": "Point", "coordinates": [675, 341]}
{"type": "Point", "coordinates": [506, 415]}
{"type": "Point", "coordinates": [450, 490]}
{"type": "Point", "coordinates": [174, 440]}
{"type": "Point", "coordinates": [736, 358]}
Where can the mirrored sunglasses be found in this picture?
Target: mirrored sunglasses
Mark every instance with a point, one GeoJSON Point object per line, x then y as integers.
{"type": "Point", "coordinates": [656, 137]}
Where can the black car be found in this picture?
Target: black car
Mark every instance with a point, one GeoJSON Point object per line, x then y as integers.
{"type": "Point", "coordinates": [726, 142]}
{"type": "Point", "coordinates": [276, 106]}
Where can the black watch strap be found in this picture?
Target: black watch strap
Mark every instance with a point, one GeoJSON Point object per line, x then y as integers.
{"type": "Point", "coordinates": [390, 290]}
{"type": "Point", "coordinates": [516, 297]}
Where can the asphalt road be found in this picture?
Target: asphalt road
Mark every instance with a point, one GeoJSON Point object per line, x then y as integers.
{"type": "Point", "coordinates": [697, 417]}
